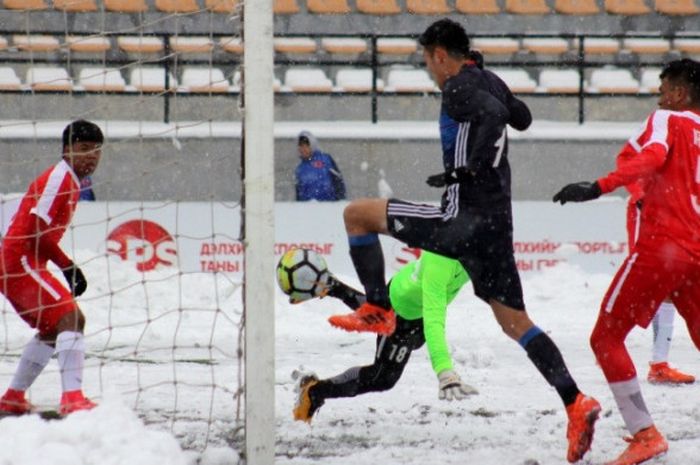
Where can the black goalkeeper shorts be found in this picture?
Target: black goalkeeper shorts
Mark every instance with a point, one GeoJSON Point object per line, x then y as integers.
{"type": "Point", "coordinates": [481, 240]}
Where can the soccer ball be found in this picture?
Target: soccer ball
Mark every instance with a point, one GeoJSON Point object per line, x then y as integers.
{"type": "Point", "coordinates": [302, 274]}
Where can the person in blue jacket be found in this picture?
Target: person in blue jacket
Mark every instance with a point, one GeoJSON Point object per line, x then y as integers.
{"type": "Point", "coordinates": [317, 175]}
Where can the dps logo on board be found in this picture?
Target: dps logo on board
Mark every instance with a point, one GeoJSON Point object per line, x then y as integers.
{"type": "Point", "coordinates": [144, 242]}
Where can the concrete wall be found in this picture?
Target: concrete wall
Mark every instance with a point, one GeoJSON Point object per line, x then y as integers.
{"type": "Point", "coordinates": [208, 169]}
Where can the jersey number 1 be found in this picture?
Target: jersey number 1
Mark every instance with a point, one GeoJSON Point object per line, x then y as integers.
{"type": "Point", "coordinates": [500, 145]}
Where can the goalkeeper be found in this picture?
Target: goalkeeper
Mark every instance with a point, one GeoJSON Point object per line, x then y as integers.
{"type": "Point", "coordinates": [419, 293]}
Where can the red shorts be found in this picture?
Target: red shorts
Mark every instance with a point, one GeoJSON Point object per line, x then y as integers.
{"type": "Point", "coordinates": [634, 211]}
{"type": "Point", "coordinates": [651, 273]}
{"type": "Point", "coordinates": [37, 296]}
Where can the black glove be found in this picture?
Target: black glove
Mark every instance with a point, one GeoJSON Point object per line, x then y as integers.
{"type": "Point", "coordinates": [578, 192]}
{"type": "Point", "coordinates": [449, 177]}
{"type": "Point", "coordinates": [76, 280]}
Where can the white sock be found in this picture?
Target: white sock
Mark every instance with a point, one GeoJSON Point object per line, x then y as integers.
{"type": "Point", "coordinates": [628, 396]}
{"type": "Point", "coordinates": [70, 350]}
{"type": "Point", "coordinates": [35, 357]}
{"type": "Point", "coordinates": [663, 330]}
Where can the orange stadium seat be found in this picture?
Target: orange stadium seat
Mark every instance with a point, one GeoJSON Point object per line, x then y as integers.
{"type": "Point", "coordinates": [24, 4]}
{"type": "Point", "coordinates": [335, 7]}
{"type": "Point", "coordinates": [101, 80]}
{"type": "Point", "coordinates": [177, 6]}
{"type": "Point", "coordinates": [643, 45]}
{"type": "Point", "coordinates": [126, 6]}
{"type": "Point", "coordinates": [231, 45]}
{"type": "Point", "coordinates": [204, 80]}
{"type": "Point", "coordinates": [598, 46]}
{"type": "Point", "coordinates": [295, 45]}
{"type": "Point", "coordinates": [140, 44]}
{"type": "Point", "coordinates": [495, 46]}
{"type": "Point", "coordinates": [477, 7]}
{"type": "Point", "coordinates": [349, 45]}
{"type": "Point", "coordinates": [78, 6]}
{"type": "Point", "coordinates": [546, 45]}
{"type": "Point", "coordinates": [428, 7]}
{"type": "Point", "coordinates": [576, 7]}
{"type": "Point", "coordinates": [36, 43]}
{"type": "Point", "coordinates": [307, 80]}
{"type": "Point", "coordinates": [3, 43]}
{"type": "Point", "coordinates": [9, 79]}
{"type": "Point", "coordinates": [151, 79]}
{"type": "Point", "coordinates": [687, 45]}
{"type": "Point", "coordinates": [88, 44]}
{"type": "Point", "coordinates": [378, 7]}
{"type": "Point", "coordinates": [221, 6]}
{"type": "Point", "coordinates": [183, 44]}
{"type": "Point", "coordinates": [676, 7]}
{"type": "Point", "coordinates": [285, 7]}
{"type": "Point", "coordinates": [48, 78]}
{"type": "Point", "coordinates": [396, 46]}
{"type": "Point", "coordinates": [650, 80]}
{"type": "Point", "coordinates": [527, 7]}
{"type": "Point", "coordinates": [626, 7]}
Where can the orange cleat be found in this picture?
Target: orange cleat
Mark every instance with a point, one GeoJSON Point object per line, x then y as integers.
{"type": "Point", "coordinates": [306, 405]}
{"type": "Point", "coordinates": [646, 444]}
{"type": "Point", "coordinates": [368, 318]}
{"type": "Point", "coordinates": [72, 401]}
{"type": "Point", "coordinates": [583, 414]}
{"type": "Point", "coordinates": [662, 373]}
{"type": "Point", "coordinates": [13, 402]}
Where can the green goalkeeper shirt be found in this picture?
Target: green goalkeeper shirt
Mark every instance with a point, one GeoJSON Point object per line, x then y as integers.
{"type": "Point", "coordinates": [423, 289]}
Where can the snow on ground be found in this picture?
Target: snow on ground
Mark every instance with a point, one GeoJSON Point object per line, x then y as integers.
{"type": "Point", "coordinates": [145, 332]}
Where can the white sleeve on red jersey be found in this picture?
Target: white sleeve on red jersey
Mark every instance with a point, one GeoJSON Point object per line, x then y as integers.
{"type": "Point", "coordinates": [61, 180]}
{"type": "Point", "coordinates": [657, 129]}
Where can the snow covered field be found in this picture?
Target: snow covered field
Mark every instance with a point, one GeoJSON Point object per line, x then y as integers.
{"type": "Point", "coordinates": [144, 336]}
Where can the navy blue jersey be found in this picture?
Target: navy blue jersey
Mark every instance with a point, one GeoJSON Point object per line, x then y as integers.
{"type": "Point", "coordinates": [476, 106]}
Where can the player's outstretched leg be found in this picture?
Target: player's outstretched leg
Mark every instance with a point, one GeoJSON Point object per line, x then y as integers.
{"type": "Point", "coordinates": [364, 220]}
{"type": "Point", "coordinates": [660, 372]}
{"type": "Point", "coordinates": [35, 357]}
{"type": "Point", "coordinates": [582, 411]}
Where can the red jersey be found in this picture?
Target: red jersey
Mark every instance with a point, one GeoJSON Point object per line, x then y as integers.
{"type": "Point", "coordinates": [666, 162]}
{"type": "Point", "coordinates": [42, 218]}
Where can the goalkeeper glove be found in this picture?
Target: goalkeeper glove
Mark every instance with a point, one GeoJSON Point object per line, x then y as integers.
{"type": "Point", "coordinates": [76, 280]}
{"type": "Point", "coordinates": [578, 192]}
{"type": "Point", "coordinates": [452, 387]}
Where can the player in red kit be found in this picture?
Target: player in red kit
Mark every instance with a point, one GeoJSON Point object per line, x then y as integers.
{"type": "Point", "coordinates": [660, 372]}
{"type": "Point", "coordinates": [665, 260]}
{"type": "Point", "coordinates": [40, 299]}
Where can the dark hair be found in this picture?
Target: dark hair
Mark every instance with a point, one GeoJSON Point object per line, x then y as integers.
{"type": "Point", "coordinates": [684, 71]}
{"type": "Point", "coordinates": [448, 34]}
{"type": "Point", "coordinates": [303, 139]}
{"type": "Point", "coordinates": [82, 131]}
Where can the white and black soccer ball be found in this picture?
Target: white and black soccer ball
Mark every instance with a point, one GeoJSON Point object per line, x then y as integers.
{"type": "Point", "coordinates": [302, 274]}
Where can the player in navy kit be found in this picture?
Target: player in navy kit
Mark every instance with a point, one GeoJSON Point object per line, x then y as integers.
{"type": "Point", "coordinates": [474, 222]}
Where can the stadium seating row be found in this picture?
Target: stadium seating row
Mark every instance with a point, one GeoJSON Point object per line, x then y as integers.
{"type": "Point", "coordinates": [375, 7]}
{"type": "Point", "coordinates": [347, 46]}
{"type": "Point", "coordinates": [398, 79]}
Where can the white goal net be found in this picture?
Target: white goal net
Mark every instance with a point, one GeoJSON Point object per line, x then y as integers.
{"type": "Point", "coordinates": [162, 246]}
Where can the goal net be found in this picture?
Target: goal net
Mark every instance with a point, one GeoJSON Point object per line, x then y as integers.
{"type": "Point", "coordinates": [163, 247]}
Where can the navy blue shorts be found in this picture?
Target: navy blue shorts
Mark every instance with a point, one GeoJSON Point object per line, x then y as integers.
{"type": "Point", "coordinates": [481, 240]}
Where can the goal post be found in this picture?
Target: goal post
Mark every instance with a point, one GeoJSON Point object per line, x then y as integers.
{"type": "Point", "coordinates": [258, 217]}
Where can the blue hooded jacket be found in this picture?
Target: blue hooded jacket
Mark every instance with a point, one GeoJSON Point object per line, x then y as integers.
{"type": "Point", "coordinates": [318, 177]}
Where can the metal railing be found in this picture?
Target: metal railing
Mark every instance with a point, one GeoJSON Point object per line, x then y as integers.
{"type": "Point", "coordinates": [372, 59]}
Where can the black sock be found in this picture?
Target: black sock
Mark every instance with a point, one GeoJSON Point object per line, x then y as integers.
{"type": "Point", "coordinates": [368, 259]}
{"type": "Point", "coordinates": [548, 360]}
{"type": "Point", "coordinates": [350, 297]}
